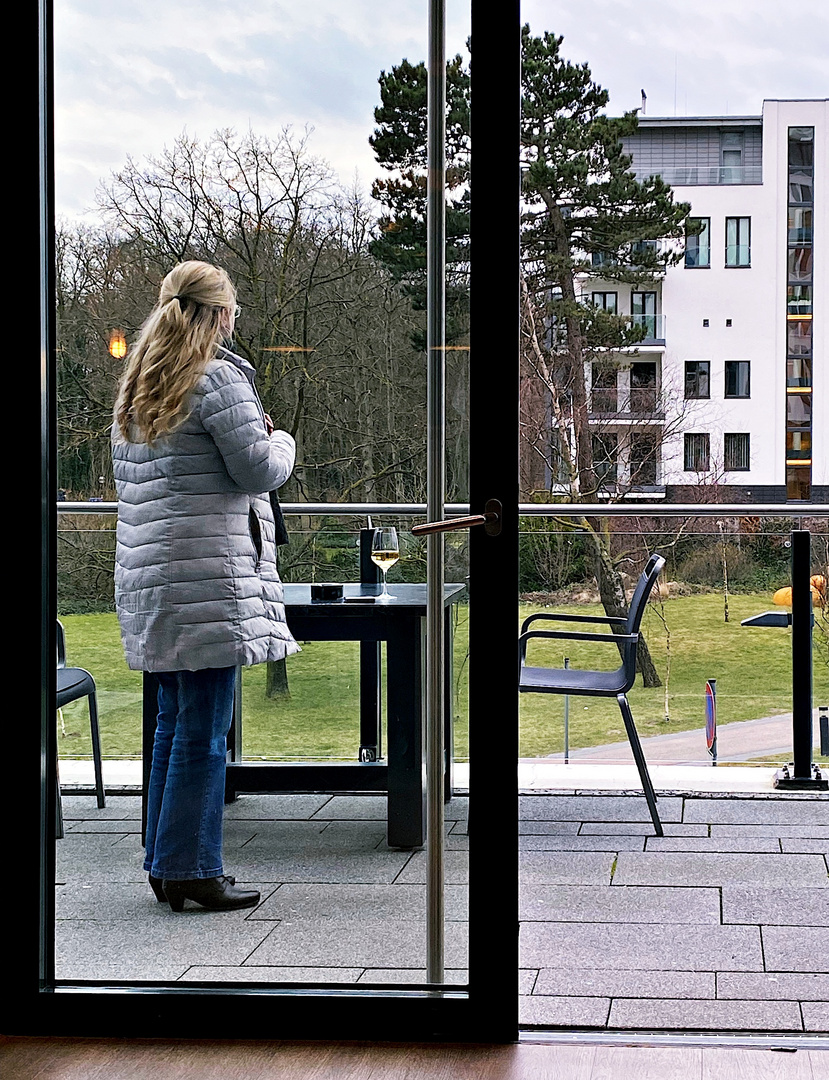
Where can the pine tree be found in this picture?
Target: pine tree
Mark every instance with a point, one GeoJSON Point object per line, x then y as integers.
{"type": "Point", "coordinates": [584, 208]}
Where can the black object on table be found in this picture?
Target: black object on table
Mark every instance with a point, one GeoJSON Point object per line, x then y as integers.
{"type": "Point", "coordinates": [401, 623]}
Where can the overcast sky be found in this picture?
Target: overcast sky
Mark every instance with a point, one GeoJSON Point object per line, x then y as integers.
{"type": "Point", "coordinates": [131, 76]}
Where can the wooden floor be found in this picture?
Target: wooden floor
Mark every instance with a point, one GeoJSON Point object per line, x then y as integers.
{"type": "Point", "coordinates": [110, 1059]}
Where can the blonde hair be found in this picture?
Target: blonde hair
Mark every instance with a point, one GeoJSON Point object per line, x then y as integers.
{"type": "Point", "coordinates": [175, 345]}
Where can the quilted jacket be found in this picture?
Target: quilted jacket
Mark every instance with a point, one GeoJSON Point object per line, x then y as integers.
{"type": "Point", "coordinates": [196, 584]}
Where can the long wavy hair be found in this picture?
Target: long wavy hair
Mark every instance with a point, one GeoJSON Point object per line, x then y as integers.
{"type": "Point", "coordinates": [175, 345]}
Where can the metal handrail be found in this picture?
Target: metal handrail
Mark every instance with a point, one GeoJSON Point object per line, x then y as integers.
{"type": "Point", "coordinates": [601, 509]}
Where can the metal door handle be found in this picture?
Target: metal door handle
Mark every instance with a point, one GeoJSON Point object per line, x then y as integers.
{"type": "Point", "coordinates": [490, 519]}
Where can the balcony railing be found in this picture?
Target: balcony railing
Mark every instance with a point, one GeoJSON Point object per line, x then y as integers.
{"type": "Point", "coordinates": [707, 175]}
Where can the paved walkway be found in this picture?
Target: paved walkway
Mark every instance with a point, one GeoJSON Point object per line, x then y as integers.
{"type": "Point", "coordinates": [743, 740]}
{"type": "Point", "coordinates": [718, 926]}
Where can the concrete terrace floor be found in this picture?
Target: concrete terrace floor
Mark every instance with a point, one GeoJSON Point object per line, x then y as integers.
{"type": "Point", "coordinates": [718, 926]}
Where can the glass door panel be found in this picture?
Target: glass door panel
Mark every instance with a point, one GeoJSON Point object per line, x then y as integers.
{"type": "Point", "coordinates": [184, 160]}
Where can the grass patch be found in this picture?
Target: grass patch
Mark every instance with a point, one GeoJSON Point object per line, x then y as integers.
{"type": "Point", "coordinates": [320, 718]}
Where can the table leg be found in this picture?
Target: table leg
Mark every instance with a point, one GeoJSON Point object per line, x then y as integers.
{"type": "Point", "coordinates": [406, 698]}
{"type": "Point", "coordinates": [370, 747]}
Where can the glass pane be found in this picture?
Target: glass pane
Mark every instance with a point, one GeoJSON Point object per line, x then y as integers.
{"type": "Point", "coordinates": [800, 225]}
{"type": "Point", "coordinates": [800, 264]}
{"type": "Point", "coordinates": [262, 159]}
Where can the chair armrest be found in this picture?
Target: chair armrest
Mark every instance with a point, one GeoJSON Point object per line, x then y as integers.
{"type": "Point", "coordinates": [614, 639]}
{"type": "Point", "coordinates": [613, 620]}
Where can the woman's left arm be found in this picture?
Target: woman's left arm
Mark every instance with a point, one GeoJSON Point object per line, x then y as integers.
{"type": "Point", "coordinates": [231, 414]}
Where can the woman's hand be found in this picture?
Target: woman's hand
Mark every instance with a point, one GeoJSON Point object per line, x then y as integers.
{"type": "Point", "coordinates": [268, 424]}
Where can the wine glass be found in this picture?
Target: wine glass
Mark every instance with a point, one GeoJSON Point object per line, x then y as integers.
{"type": "Point", "coordinates": [385, 551]}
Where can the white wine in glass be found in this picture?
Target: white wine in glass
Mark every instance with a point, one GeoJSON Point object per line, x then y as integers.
{"type": "Point", "coordinates": [385, 551]}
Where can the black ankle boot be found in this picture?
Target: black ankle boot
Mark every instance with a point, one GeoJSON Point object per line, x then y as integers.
{"type": "Point", "coordinates": [216, 894]}
{"type": "Point", "coordinates": [157, 885]}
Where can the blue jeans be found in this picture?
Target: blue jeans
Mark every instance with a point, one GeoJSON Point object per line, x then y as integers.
{"type": "Point", "coordinates": [185, 800]}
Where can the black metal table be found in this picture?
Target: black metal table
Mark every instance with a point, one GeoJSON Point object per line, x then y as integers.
{"type": "Point", "coordinates": [401, 623]}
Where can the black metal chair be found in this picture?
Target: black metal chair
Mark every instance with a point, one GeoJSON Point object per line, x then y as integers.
{"type": "Point", "coordinates": [542, 680]}
{"type": "Point", "coordinates": [75, 683]}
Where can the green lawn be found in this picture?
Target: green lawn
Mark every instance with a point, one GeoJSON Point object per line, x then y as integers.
{"type": "Point", "coordinates": [319, 720]}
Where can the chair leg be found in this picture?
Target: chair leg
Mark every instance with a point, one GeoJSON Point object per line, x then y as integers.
{"type": "Point", "coordinates": [96, 750]}
{"type": "Point", "coordinates": [641, 764]}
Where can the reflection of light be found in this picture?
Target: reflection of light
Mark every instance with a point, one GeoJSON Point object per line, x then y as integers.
{"type": "Point", "coordinates": [798, 316]}
{"type": "Point", "coordinates": [117, 344]}
{"type": "Point", "coordinates": [798, 389]}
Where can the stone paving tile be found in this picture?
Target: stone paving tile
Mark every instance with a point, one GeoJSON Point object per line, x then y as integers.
{"type": "Point", "coordinates": [164, 945]}
{"type": "Point", "coordinates": [565, 867]}
{"type": "Point", "coordinates": [251, 974]}
{"type": "Point", "coordinates": [807, 830]}
{"type": "Point", "coordinates": [374, 902]}
{"type": "Point", "coordinates": [548, 828]}
{"type": "Point", "coordinates": [701, 868]}
{"type": "Point", "coordinates": [779, 810]}
{"type": "Point", "coordinates": [85, 807]}
{"type": "Point", "coordinates": [393, 976]}
{"type": "Point", "coordinates": [99, 857]}
{"type": "Point", "coordinates": [779, 906]}
{"type": "Point", "coordinates": [773, 986]}
{"type": "Point", "coordinates": [387, 943]}
{"type": "Point", "coordinates": [275, 807]}
{"type": "Point", "coordinates": [457, 809]}
{"type": "Point", "coordinates": [816, 1017]}
{"type": "Point", "coordinates": [353, 808]}
{"type": "Point", "coordinates": [705, 1015]}
{"type": "Point", "coordinates": [527, 978]}
{"type": "Point", "coordinates": [611, 904]}
{"type": "Point", "coordinates": [456, 869]}
{"type": "Point", "coordinates": [794, 948]}
{"type": "Point", "coordinates": [118, 902]}
{"type": "Point", "coordinates": [645, 947]}
{"type": "Point", "coordinates": [800, 845]}
{"type": "Point", "coordinates": [105, 825]}
{"type": "Point", "coordinates": [317, 865]}
{"type": "Point", "coordinates": [569, 982]}
{"type": "Point", "coordinates": [581, 843]}
{"type": "Point", "coordinates": [563, 1011]}
{"type": "Point", "coordinates": [635, 828]}
{"type": "Point", "coordinates": [759, 844]}
{"type": "Point", "coordinates": [596, 808]}
{"type": "Point", "coordinates": [457, 842]}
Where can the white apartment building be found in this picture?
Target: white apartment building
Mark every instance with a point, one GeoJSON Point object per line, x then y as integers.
{"type": "Point", "coordinates": [731, 382]}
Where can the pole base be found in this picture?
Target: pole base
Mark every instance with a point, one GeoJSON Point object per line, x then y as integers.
{"type": "Point", "coordinates": [785, 780]}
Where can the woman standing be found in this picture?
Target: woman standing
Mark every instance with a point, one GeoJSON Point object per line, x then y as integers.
{"type": "Point", "coordinates": [196, 586]}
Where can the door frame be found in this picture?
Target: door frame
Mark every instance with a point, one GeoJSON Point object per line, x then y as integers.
{"type": "Point", "coordinates": [486, 1010]}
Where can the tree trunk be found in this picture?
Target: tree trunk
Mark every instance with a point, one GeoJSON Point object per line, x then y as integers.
{"type": "Point", "coordinates": [276, 682]}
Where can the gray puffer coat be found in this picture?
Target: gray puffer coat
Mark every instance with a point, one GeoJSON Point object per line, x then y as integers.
{"type": "Point", "coordinates": [196, 584]}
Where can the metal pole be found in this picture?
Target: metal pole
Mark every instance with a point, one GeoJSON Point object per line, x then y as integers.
{"type": "Point", "coordinates": [801, 654]}
{"type": "Point", "coordinates": [566, 719]}
{"type": "Point", "coordinates": [435, 490]}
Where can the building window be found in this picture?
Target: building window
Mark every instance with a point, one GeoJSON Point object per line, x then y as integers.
{"type": "Point", "coordinates": [644, 459]}
{"type": "Point", "coordinates": [643, 311]}
{"type": "Point", "coordinates": [604, 396]}
{"type": "Point", "coordinates": [731, 149]}
{"type": "Point", "coordinates": [643, 386]}
{"type": "Point", "coordinates": [736, 455]}
{"type": "Point", "coordinates": [697, 379]}
{"type": "Point", "coordinates": [697, 242]}
{"type": "Point", "coordinates": [737, 378]}
{"type": "Point", "coordinates": [738, 241]}
{"type": "Point", "coordinates": [607, 301]}
{"type": "Point", "coordinates": [605, 459]}
{"type": "Point", "coordinates": [697, 452]}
